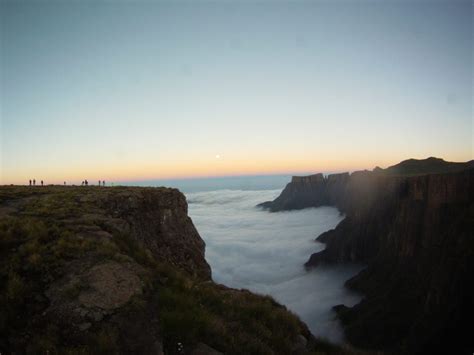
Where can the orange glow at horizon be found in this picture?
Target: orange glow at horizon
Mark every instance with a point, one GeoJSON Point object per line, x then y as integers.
{"type": "Point", "coordinates": [187, 169]}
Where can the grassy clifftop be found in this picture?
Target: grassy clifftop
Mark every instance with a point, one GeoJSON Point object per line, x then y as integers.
{"type": "Point", "coordinates": [122, 270]}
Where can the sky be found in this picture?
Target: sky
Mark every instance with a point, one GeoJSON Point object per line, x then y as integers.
{"type": "Point", "coordinates": [136, 90]}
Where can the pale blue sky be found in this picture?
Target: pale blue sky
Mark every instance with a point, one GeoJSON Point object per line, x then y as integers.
{"type": "Point", "coordinates": [129, 90]}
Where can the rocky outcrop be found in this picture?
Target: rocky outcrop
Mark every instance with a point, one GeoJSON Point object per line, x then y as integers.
{"type": "Point", "coordinates": [309, 191]}
{"type": "Point", "coordinates": [414, 233]}
{"type": "Point", "coordinates": [160, 223]}
{"type": "Point", "coordinates": [88, 260]}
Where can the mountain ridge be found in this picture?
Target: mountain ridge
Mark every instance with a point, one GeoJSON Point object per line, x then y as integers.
{"type": "Point", "coordinates": [318, 190]}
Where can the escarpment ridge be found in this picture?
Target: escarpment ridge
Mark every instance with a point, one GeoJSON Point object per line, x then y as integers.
{"type": "Point", "coordinates": [412, 225]}
{"type": "Point", "coordinates": [345, 190]}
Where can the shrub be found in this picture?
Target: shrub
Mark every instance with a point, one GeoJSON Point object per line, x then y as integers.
{"type": "Point", "coordinates": [130, 247]}
{"type": "Point", "coordinates": [16, 289]}
{"type": "Point", "coordinates": [106, 341]}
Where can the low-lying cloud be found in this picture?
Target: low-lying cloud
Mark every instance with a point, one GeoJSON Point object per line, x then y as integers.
{"type": "Point", "coordinates": [265, 252]}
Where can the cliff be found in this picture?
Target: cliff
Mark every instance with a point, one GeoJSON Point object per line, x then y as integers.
{"type": "Point", "coordinates": [122, 270]}
{"type": "Point", "coordinates": [309, 191]}
{"type": "Point", "coordinates": [414, 233]}
{"type": "Point", "coordinates": [343, 190]}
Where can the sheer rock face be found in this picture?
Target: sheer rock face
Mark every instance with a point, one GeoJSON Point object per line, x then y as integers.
{"type": "Point", "coordinates": [415, 233]}
{"type": "Point", "coordinates": [160, 222]}
{"type": "Point", "coordinates": [419, 247]}
{"type": "Point", "coordinates": [397, 217]}
{"type": "Point", "coordinates": [309, 191]}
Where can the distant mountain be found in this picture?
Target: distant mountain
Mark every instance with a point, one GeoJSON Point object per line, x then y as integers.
{"type": "Point", "coordinates": [430, 165]}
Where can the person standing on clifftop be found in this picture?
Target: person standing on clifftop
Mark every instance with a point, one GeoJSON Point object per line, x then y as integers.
{"type": "Point", "coordinates": [86, 182]}
{"type": "Point", "coordinates": [41, 182]}
{"type": "Point", "coordinates": [30, 182]}
{"type": "Point", "coordinates": [103, 182]}
{"type": "Point", "coordinates": [34, 182]}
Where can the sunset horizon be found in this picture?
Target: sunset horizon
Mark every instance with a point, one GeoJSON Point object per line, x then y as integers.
{"type": "Point", "coordinates": [201, 172]}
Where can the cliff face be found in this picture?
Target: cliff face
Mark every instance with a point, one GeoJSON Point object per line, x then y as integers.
{"type": "Point", "coordinates": [159, 221]}
{"type": "Point", "coordinates": [357, 189]}
{"type": "Point", "coordinates": [122, 270]}
{"type": "Point", "coordinates": [417, 241]}
{"type": "Point", "coordinates": [405, 214]}
{"type": "Point", "coordinates": [415, 234]}
{"type": "Point", "coordinates": [309, 191]}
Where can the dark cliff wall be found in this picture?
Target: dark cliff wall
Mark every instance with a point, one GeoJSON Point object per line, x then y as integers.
{"type": "Point", "coordinates": [158, 219]}
{"type": "Point", "coordinates": [357, 189]}
{"type": "Point", "coordinates": [415, 233]}
{"type": "Point", "coordinates": [309, 191]}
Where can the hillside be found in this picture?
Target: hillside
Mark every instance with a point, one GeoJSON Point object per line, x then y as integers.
{"type": "Point", "coordinates": [430, 165]}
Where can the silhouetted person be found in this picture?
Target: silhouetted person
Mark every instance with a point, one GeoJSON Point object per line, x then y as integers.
{"type": "Point", "coordinates": [41, 182]}
{"type": "Point", "coordinates": [34, 182]}
{"type": "Point", "coordinates": [30, 182]}
{"type": "Point", "coordinates": [103, 182]}
{"type": "Point", "coordinates": [64, 183]}
{"type": "Point", "coordinates": [86, 182]}
{"type": "Point", "coordinates": [99, 183]}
